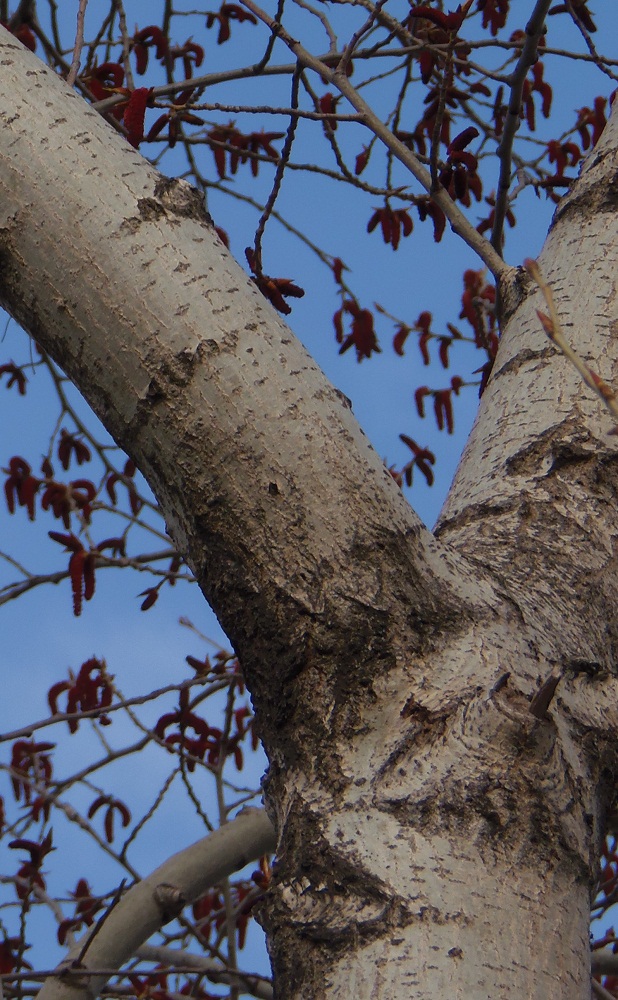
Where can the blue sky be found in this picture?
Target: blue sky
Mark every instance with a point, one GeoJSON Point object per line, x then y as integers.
{"type": "Point", "coordinates": [41, 639]}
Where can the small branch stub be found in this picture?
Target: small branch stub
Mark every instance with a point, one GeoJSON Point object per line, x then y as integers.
{"type": "Point", "coordinates": [543, 698]}
{"type": "Point", "coordinates": [170, 901]}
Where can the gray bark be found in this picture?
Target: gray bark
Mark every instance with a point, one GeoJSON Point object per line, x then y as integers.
{"type": "Point", "coordinates": [150, 904]}
{"type": "Point", "coordinates": [435, 838]}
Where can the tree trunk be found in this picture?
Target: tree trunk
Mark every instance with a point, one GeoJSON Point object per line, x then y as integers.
{"type": "Point", "coordinates": [436, 838]}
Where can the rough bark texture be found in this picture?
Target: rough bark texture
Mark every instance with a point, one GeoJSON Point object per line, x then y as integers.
{"type": "Point", "coordinates": [436, 838]}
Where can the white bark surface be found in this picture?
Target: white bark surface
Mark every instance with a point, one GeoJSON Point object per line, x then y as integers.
{"type": "Point", "coordinates": [179, 354]}
{"type": "Point", "coordinates": [436, 839]}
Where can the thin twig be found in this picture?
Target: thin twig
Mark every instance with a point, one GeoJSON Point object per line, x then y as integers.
{"type": "Point", "coordinates": [143, 699]}
{"type": "Point", "coordinates": [126, 44]}
{"type": "Point", "coordinates": [10, 591]}
{"type": "Point", "coordinates": [348, 52]}
{"type": "Point", "coordinates": [262, 65]}
{"type": "Point", "coordinates": [79, 43]}
{"type": "Point", "coordinates": [99, 924]}
{"type": "Point", "coordinates": [459, 223]}
{"type": "Point", "coordinates": [230, 916]}
{"type": "Point", "coordinates": [528, 57]}
{"type": "Point", "coordinates": [552, 327]}
{"type": "Point", "coordinates": [265, 109]}
{"type": "Point", "coordinates": [278, 178]}
{"type": "Point", "coordinates": [600, 62]}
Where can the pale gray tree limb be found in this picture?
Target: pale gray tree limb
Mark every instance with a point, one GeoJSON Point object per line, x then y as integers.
{"type": "Point", "coordinates": [159, 898]}
{"type": "Point", "coordinates": [256, 986]}
{"type": "Point", "coordinates": [604, 963]}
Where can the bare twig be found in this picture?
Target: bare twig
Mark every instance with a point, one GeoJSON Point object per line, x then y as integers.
{"type": "Point", "coordinates": [126, 43]}
{"type": "Point", "coordinates": [459, 223]}
{"type": "Point", "coordinates": [79, 43]}
{"type": "Point", "coordinates": [552, 327]}
{"type": "Point", "coordinates": [348, 52]}
{"type": "Point", "coordinates": [278, 178]}
{"type": "Point", "coordinates": [528, 57]}
{"type": "Point", "coordinates": [600, 62]}
{"type": "Point", "coordinates": [99, 924]}
{"type": "Point", "coordinates": [143, 699]}
{"type": "Point", "coordinates": [230, 916]}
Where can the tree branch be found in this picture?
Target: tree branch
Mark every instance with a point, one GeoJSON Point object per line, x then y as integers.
{"type": "Point", "coordinates": [153, 320]}
{"type": "Point", "coordinates": [337, 78]}
{"type": "Point", "coordinates": [257, 986]}
{"type": "Point", "coordinates": [150, 904]}
{"type": "Point", "coordinates": [528, 57]}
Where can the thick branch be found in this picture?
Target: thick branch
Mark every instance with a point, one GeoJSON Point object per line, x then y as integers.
{"type": "Point", "coordinates": [295, 530]}
{"type": "Point", "coordinates": [150, 904]}
{"type": "Point", "coordinates": [541, 459]}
